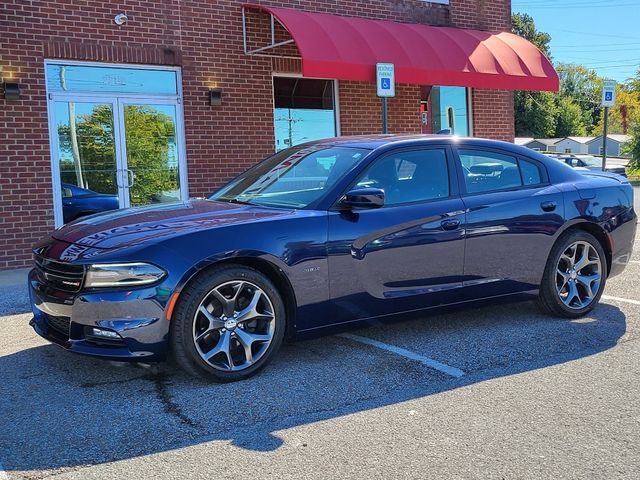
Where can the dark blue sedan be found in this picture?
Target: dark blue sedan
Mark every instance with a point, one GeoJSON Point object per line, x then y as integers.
{"type": "Point", "coordinates": [327, 235]}
{"type": "Point", "coordinates": [79, 202]}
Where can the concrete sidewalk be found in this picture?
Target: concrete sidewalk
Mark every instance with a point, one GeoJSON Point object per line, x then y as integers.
{"type": "Point", "coordinates": [9, 278]}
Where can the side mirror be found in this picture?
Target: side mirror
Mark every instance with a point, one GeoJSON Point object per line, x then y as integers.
{"type": "Point", "coordinates": [363, 198]}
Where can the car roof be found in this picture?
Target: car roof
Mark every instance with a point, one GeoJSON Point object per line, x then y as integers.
{"type": "Point", "coordinates": [372, 142]}
{"type": "Point", "coordinates": [558, 170]}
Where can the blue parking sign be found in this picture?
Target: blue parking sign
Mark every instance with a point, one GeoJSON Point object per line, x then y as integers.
{"type": "Point", "coordinates": [385, 79]}
{"type": "Point", "coordinates": [609, 93]}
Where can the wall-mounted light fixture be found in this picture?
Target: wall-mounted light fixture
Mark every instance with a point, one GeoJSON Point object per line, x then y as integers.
{"type": "Point", "coordinates": [121, 19]}
{"type": "Point", "coordinates": [215, 96]}
{"type": "Point", "coordinates": [11, 90]}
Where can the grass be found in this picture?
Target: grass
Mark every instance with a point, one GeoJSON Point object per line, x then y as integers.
{"type": "Point", "coordinates": [633, 174]}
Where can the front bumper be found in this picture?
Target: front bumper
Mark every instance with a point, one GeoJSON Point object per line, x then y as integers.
{"type": "Point", "coordinates": [68, 319]}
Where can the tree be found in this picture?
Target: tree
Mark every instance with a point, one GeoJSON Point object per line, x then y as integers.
{"type": "Point", "coordinates": [634, 82]}
{"type": "Point", "coordinates": [634, 147]}
{"type": "Point", "coordinates": [535, 112]}
{"type": "Point", "coordinates": [583, 86]}
{"type": "Point", "coordinates": [524, 25]}
{"type": "Point", "coordinates": [150, 139]}
{"type": "Point", "coordinates": [570, 118]}
{"type": "Point", "coordinates": [625, 113]}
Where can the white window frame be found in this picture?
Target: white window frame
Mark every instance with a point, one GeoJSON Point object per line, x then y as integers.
{"type": "Point", "coordinates": [336, 99]}
{"type": "Point", "coordinates": [113, 98]}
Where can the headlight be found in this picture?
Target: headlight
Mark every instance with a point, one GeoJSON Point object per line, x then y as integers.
{"type": "Point", "coordinates": [122, 274]}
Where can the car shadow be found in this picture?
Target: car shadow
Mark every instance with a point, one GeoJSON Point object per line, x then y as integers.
{"type": "Point", "coordinates": [62, 411]}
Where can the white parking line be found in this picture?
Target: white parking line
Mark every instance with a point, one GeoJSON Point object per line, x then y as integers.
{"type": "Point", "coordinates": [618, 299]}
{"type": "Point", "coordinates": [634, 261]}
{"type": "Point", "coordinates": [441, 367]}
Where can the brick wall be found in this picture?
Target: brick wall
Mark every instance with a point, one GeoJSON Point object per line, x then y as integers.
{"type": "Point", "coordinates": [205, 39]}
{"type": "Point", "coordinates": [493, 114]}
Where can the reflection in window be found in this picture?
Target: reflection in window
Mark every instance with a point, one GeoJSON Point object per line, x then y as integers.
{"type": "Point", "coordinates": [292, 178]}
{"type": "Point", "coordinates": [407, 177]}
{"type": "Point", "coordinates": [152, 160]}
{"type": "Point", "coordinates": [81, 78]}
{"type": "Point", "coordinates": [449, 110]}
{"type": "Point", "coordinates": [304, 110]}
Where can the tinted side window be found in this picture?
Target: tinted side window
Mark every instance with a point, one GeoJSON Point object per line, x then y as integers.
{"type": "Point", "coordinates": [412, 176]}
{"type": "Point", "coordinates": [530, 173]}
{"type": "Point", "coordinates": [487, 171]}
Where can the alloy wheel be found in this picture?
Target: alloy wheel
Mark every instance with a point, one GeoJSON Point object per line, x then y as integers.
{"type": "Point", "coordinates": [578, 275]}
{"type": "Point", "coordinates": [234, 325]}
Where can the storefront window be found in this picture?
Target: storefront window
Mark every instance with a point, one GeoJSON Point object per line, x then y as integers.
{"type": "Point", "coordinates": [445, 108]}
{"type": "Point", "coordinates": [304, 110]}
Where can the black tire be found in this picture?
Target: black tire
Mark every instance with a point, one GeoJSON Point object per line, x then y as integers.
{"type": "Point", "coordinates": [549, 298]}
{"type": "Point", "coordinates": [183, 344]}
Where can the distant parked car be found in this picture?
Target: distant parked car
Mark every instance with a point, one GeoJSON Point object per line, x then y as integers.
{"type": "Point", "coordinates": [79, 202]}
{"type": "Point", "coordinates": [591, 163]}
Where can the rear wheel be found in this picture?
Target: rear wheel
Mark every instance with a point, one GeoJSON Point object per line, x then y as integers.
{"type": "Point", "coordinates": [228, 324]}
{"type": "Point", "coordinates": [575, 275]}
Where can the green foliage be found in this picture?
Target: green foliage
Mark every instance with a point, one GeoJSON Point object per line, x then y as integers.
{"type": "Point", "coordinates": [583, 86]}
{"type": "Point", "coordinates": [523, 25]}
{"type": "Point", "coordinates": [150, 135]}
{"type": "Point", "coordinates": [570, 118]}
{"type": "Point", "coordinates": [634, 147]}
{"type": "Point", "coordinates": [634, 82]}
{"type": "Point", "coordinates": [150, 140]}
{"type": "Point", "coordinates": [535, 114]}
{"type": "Point", "coordinates": [573, 111]}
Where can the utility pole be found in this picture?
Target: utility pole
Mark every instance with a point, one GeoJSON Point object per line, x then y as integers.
{"type": "Point", "coordinates": [73, 134]}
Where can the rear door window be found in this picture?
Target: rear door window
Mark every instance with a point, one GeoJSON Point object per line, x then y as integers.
{"type": "Point", "coordinates": [486, 171]}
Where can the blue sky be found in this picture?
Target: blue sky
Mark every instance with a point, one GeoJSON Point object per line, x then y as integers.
{"type": "Point", "coordinates": [600, 34]}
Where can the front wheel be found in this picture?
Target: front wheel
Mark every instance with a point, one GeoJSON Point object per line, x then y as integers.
{"type": "Point", "coordinates": [228, 324]}
{"type": "Point", "coordinates": [575, 275]}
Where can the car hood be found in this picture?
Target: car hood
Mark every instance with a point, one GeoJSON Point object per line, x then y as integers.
{"type": "Point", "coordinates": [133, 226]}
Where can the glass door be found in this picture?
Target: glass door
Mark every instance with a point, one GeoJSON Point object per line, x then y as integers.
{"type": "Point", "coordinates": [150, 152]}
{"type": "Point", "coordinates": [86, 158]}
{"type": "Point", "coordinates": [117, 137]}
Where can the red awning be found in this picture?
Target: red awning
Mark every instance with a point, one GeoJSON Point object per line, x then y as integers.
{"type": "Point", "coordinates": [348, 48]}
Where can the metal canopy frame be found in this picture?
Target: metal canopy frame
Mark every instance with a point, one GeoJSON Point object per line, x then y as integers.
{"type": "Point", "coordinates": [265, 51]}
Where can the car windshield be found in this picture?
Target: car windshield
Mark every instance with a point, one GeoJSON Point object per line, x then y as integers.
{"type": "Point", "coordinates": [293, 178]}
{"type": "Point", "coordinates": [591, 161]}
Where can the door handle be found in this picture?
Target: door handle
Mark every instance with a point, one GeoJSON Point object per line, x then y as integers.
{"type": "Point", "coordinates": [451, 224]}
{"type": "Point", "coordinates": [131, 178]}
{"type": "Point", "coordinates": [548, 206]}
{"type": "Point", "coordinates": [117, 177]}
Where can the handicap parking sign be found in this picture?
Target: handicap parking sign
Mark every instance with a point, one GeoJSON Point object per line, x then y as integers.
{"type": "Point", "coordinates": [385, 73]}
{"type": "Point", "coordinates": [609, 93]}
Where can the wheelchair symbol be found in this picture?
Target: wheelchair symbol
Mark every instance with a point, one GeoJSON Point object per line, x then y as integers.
{"type": "Point", "coordinates": [608, 96]}
{"type": "Point", "coordinates": [385, 83]}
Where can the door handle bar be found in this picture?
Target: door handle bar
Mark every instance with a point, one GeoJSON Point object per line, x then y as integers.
{"type": "Point", "coordinates": [451, 224]}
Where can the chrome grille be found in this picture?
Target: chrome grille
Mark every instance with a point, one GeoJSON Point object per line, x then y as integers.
{"type": "Point", "coordinates": [59, 275]}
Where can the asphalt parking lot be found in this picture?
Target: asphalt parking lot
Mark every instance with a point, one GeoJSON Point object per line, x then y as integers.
{"type": "Point", "coordinates": [492, 392]}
